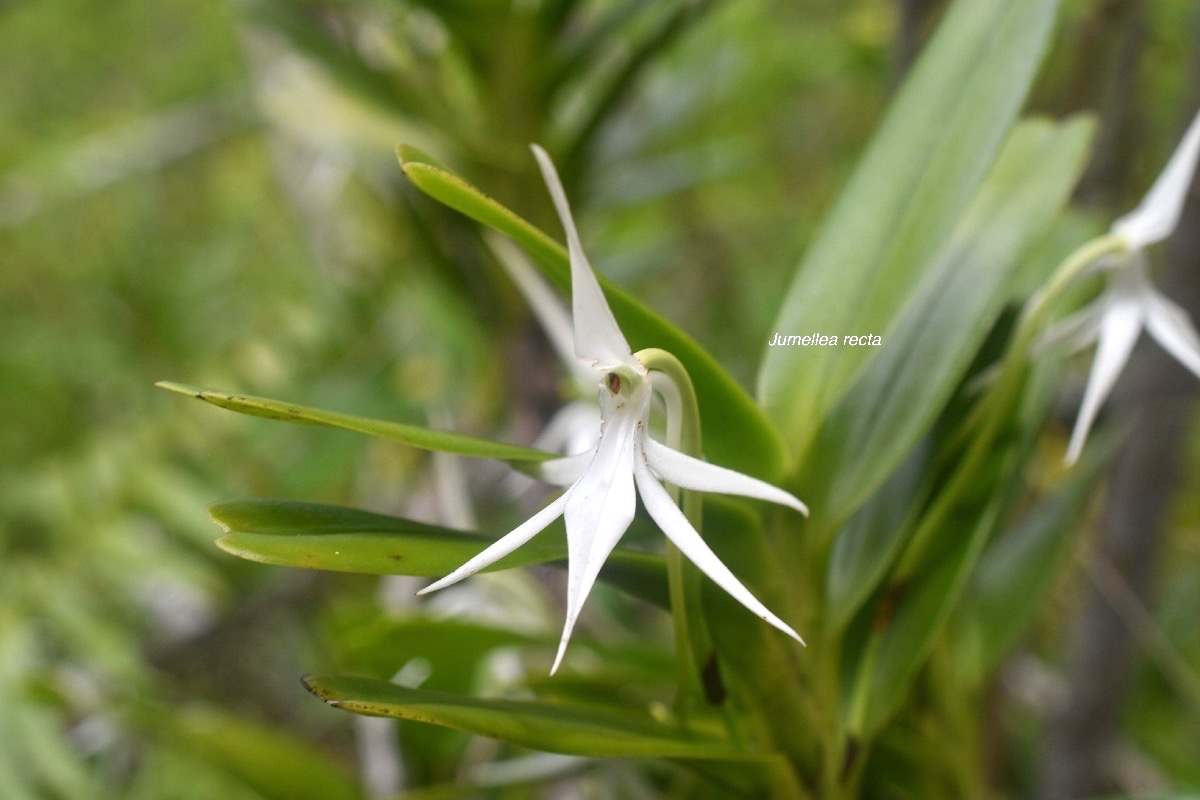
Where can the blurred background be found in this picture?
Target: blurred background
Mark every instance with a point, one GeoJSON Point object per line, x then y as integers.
{"type": "Point", "coordinates": [208, 193]}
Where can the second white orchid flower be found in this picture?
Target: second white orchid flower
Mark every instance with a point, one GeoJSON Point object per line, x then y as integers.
{"type": "Point", "coordinates": [602, 484]}
{"type": "Point", "coordinates": [1130, 302]}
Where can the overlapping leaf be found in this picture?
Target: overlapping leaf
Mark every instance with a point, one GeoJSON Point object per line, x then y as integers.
{"type": "Point", "coordinates": [894, 403]}
{"type": "Point", "coordinates": [315, 536]}
{"type": "Point", "coordinates": [902, 204]}
{"type": "Point", "coordinates": [1012, 576]}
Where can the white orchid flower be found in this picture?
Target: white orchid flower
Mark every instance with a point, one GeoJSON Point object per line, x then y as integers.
{"type": "Point", "coordinates": [1130, 302]}
{"type": "Point", "coordinates": [602, 483]}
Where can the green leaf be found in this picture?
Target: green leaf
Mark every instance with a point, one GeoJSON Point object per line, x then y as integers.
{"type": "Point", "coordinates": [314, 536]}
{"type": "Point", "coordinates": [453, 647]}
{"type": "Point", "coordinates": [1009, 584]}
{"type": "Point", "coordinates": [870, 541]}
{"type": "Point", "coordinates": [895, 402]}
{"type": "Point", "coordinates": [562, 728]}
{"type": "Point", "coordinates": [554, 728]}
{"type": "Point", "coordinates": [743, 440]}
{"type": "Point", "coordinates": [759, 663]}
{"type": "Point", "coordinates": [412, 435]}
{"type": "Point", "coordinates": [903, 202]}
{"type": "Point", "coordinates": [893, 635]}
{"type": "Point", "coordinates": [455, 653]}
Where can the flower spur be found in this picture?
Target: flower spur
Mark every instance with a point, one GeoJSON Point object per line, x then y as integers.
{"type": "Point", "coordinates": [599, 502]}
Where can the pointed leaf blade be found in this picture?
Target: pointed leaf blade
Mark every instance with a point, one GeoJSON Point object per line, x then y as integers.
{"type": "Point", "coordinates": [1009, 583]}
{"type": "Point", "coordinates": [554, 728]}
{"type": "Point", "coordinates": [896, 400]}
{"type": "Point", "coordinates": [412, 435]}
{"type": "Point", "coordinates": [314, 536]}
{"type": "Point", "coordinates": [909, 191]}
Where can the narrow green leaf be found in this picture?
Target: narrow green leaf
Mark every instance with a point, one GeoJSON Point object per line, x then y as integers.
{"type": "Point", "coordinates": [554, 728]}
{"type": "Point", "coordinates": [738, 435]}
{"type": "Point", "coordinates": [896, 632]}
{"type": "Point", "coordinates": [1008, 586]}
{"type": "Point", "coordinates": [895, 402]}
{"type": "Point", "coordinates": [758, 662]}
{"type": "Point", "coordinates": [314, 536]}
{"type": "Point", "coordinates": [412, 435]}
{"type": "Point", "coordinates": [455, 652]}
{"type": "Point", "coordinates": [903, 202]}
{"type": "Point", "coordinates": [869, 542]}
{"type": "Point", "coordinates": [453, 647]}
{"type": "Point", "coordinates": [561, 727]}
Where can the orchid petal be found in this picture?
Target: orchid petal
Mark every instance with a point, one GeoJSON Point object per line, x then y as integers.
{"type": "Point", "coordinates": [1074, 333]}
{"type": "Point", "coordinates": [565, 471]}
{"type": "Point", "coordinates": [598, 339]}
{"type": "Point", "coordinates": [1157, 215]}
{"type": "Point", "coordinates": [677, 528]}
{"type": "Point", "coordinates": [504, 545]}
{"type": "Point", "coordinates": [574, 428]}
{"type": "Point", "coordinates": [1172, 328]}
{"type": "Point", "coordinates": [1122, 323]}
{"type": "Point", "coordinates": [552, 314]}
{"type": "Point", "coordinates": [599, 510]}
{"type": "Point", "coordinates": [700, 476]}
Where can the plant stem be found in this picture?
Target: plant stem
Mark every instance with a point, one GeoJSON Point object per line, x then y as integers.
{"type": "Point", "coordinates": [1006, 389]}
{"type": "Point", "coordinates": [674, 385]}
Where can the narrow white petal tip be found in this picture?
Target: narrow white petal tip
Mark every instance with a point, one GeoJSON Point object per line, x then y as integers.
{"type": "Point", "coordinates": [1071, 458]}
{"type": "Point", "coordinates": [1157, 216]}
{"type": "Point", "coordinates": [783, 627]}
{"type": "Point", "coordinates": [1078, 438]}
{"type": "Point", "coordinates": [562, 650]}
{"type": "Point", "coordinates": [435, 586]}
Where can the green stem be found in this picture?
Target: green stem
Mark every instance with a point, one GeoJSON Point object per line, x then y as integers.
{"type": "Point", "coordinates": [692, 644]}
{"type": "Point", "coordinates": [1006, 390]}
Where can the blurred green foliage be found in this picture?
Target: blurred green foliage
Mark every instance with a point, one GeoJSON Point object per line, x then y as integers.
{"type": "Point", "coordinates": [208, 192]}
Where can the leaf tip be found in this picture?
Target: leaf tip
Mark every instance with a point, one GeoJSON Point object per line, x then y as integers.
{"type": "Point", "coordinates": [313, 684]}
{"type": "Point", "coordinates": [217, 513]}
{"type": "Point", "coordinates": [410, 156]}
{"type": "Point", "coordinates": [179, 388]}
